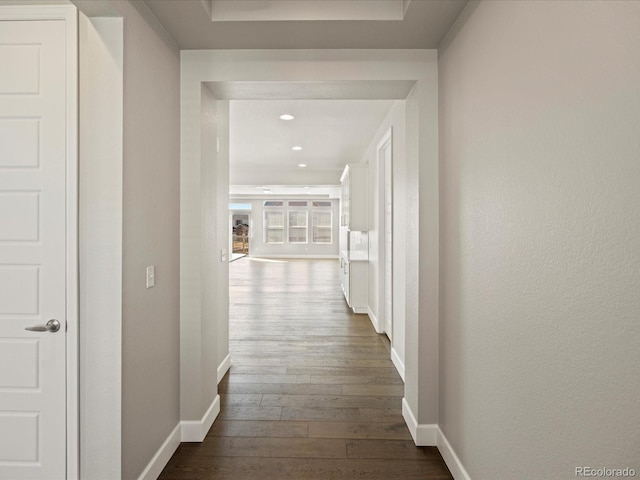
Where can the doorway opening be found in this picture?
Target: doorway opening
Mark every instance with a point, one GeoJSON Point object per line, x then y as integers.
{"type": "Point", "coordinates": [240, 230]}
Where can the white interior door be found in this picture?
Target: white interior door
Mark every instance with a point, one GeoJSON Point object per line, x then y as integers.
{"type": "Point", "coordinates": [32, 249]}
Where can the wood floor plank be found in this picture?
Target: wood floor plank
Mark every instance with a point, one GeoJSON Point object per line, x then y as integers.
{"type": "Point", "coordinates": [244, 399]}
{"type": "Point", "coordinates": [392, 390]}
{"type": "Point", "coordinates": [250, 413]}
{"type": "Point", "coordinates": [252, 468]}
{"type": "Point", "coordinates": [281, 388]}
{"type": "Point", "coordinates": [311, 393]}
{"type": "Point", "coordinates": [259, 428]}
{"type": "Point", "coordinates": [320, 413]}
{"type": "Point", "coordinates": [271, 447]}
{"type": "Point", "coordinates": [336, 401]}
{"type": "Point", "coordinates": [390, 449]}
{"type": "Point", "coordinates": [382, 430]}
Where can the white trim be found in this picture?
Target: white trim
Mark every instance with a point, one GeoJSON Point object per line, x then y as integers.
{"type": "Point", "coordinates": [363, 310]}
{"type": "Point", "coordinates": [224, 367]}
{"type": "Point", "coordinates": [70, 14]}
{"type": "Point", "coordinates": [450, 458]}
{"type": "Point", "coordinates": [296, 256]}
{"type": "Point", "coordinates": [196, 430]}
{"type": "Point", "coordinates": [163, 455]}
{"type": "Point", "coordinates": [386, 141]}
{"type": "Point", "coordinates": [425, 435]}
{"type": "Point", "coordinates": [374, 320]}
{"type": "Point", "coordinates": [397, 362]}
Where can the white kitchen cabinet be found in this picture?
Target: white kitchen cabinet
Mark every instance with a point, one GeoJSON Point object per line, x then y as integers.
{"type": "Point", "coordinates": [354, 244]}
{"type": "Point", "coordinates": [354, 198]}
{"type": "Point", "coordinates": [354, 279]}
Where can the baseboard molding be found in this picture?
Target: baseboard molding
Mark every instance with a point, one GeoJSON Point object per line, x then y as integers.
{"type": "Point", "coordinates": [162, 456]}
{"type": "Point", "coordinates": [295, 256]}
{"type": "Point", "coordinates": [450, 458]}
{"type": "Point", "coordinates": [196, 430]}
{"type": "Point", "coordinates": [224, 367]}
{"type": "Point", "coordinates": [425, 435]}
{"type": "Point", "coordinates": [397, 362]}
{"type": "Point", "coordinates": [374, 320]}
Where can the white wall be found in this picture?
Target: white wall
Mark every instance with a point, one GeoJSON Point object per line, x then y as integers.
{"type": "Point", "coordinates": [394, 119]}
{"type": "Point", "coordinates": [421, 250]}
{"type": "Point", "coordinates": [540, 264]}
{"type": "Point", "coordinates": [100, 241]}
{"type": "Point", "coordinates": [257, 247]}
{"type": "Point", "coordinates": [204, 273]}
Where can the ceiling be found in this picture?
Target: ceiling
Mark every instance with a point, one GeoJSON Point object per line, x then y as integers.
{"type": "Point", "coordinates": [331, 133]}
{"type": "Point", "coordinates": [189, 22]}
{"type": "Point", "coordinates": [331, 129]}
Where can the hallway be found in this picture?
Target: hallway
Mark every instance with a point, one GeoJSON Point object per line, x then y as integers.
{"type": "Point", "coordinates": [311, 394]}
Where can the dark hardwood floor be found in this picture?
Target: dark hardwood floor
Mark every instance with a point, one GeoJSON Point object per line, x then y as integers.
{"type": "Point", "coordinates": [311, 394]}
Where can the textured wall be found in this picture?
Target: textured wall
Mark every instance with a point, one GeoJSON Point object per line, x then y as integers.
{"type": "Point", "coordinates": [150, 330]}
{"type": "Point", "coordinates": [540, 257]}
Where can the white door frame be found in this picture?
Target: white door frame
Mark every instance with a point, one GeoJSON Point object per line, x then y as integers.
{"type": "Point", "coordinates": [69, 15]}
{"type": "Point", "coordinates": [384, 171]}
{"type": "Point", "coordinates": [417, 70]}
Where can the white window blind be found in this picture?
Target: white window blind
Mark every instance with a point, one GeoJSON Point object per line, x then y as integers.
{"type": "Point", "coordinates": [322, 226]}
{"type": "Point", "coordinates": [298, 226]}
{"type": "Point", "coordinates": [274, 226]}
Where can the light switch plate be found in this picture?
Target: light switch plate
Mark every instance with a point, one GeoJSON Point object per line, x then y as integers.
{"type": "Point", "coordinates": [151, 276]}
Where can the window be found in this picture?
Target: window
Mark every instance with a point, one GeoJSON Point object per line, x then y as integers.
{"type": "Point", "coordinates": [274, 203]}
{"type": "Point", "coordinates": [297, 203]}
{"type": "Point", "coordinates": [322, 203]}
{"type": "Point", "coordinates": [297, 226]}
{"type": "Point", "coordinates": [274, 226]}
{"type": "Point", "coordinates": [322, 225]}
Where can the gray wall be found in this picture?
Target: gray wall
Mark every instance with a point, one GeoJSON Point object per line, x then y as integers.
{"type": "Point", "coordinates": [151, 335]}
{"type": "Point", "coordinates": [540, 257]}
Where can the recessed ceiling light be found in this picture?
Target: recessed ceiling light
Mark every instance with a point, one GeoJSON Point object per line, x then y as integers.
{"type": "Point", "coordinates": [287, 116]}
{"type": "Point", "coordinates": [302, 164]}
{"type": "Point", "coordinates": [297, 147]}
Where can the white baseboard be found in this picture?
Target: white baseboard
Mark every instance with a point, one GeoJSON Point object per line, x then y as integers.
{"type": "Point", "coordinates": [425, 435]}
{"type": "Point", "coordinates": [450, 458]}
{"type": "Point", "coordinates": [196, 430]}
{"type": "Point", "coordinates": [223, 368]}
{"type": "Point", "coordinates": [374, 320]}
{"type": "Point", "coordinates": [162, 456]}
{"type": "Point", "coordinates": [397, 362]}
{"type": "Point", "coordinates": [295, 256]}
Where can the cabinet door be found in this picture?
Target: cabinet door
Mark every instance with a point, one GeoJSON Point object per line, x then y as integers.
{"type": "Point", "coordinates": [346, 282]}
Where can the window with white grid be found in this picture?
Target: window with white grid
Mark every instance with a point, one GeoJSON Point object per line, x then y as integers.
{"type": "Point", "coordinates": [274, 226]}
{"type": "Point", "coordinates": [322, 226]}
{"type": "Point", "coordinates": [298, 226]}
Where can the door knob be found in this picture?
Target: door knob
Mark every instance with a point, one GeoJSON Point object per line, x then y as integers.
{"type": "Point", "coordinates": [51, 326]}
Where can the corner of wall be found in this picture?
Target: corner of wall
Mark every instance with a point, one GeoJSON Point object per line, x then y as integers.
{"type": "Point", "coordinates": [162, 456]}
{"type": "Point", "coordinates": [450, 457]}
{"type": "Point", "coordinates": [196, 430]}
{"type": "Point", "coordinates": [424, 435]}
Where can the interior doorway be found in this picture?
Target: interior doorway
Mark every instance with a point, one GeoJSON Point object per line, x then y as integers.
{"type": "Point", "coordinates": [240, 230]}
